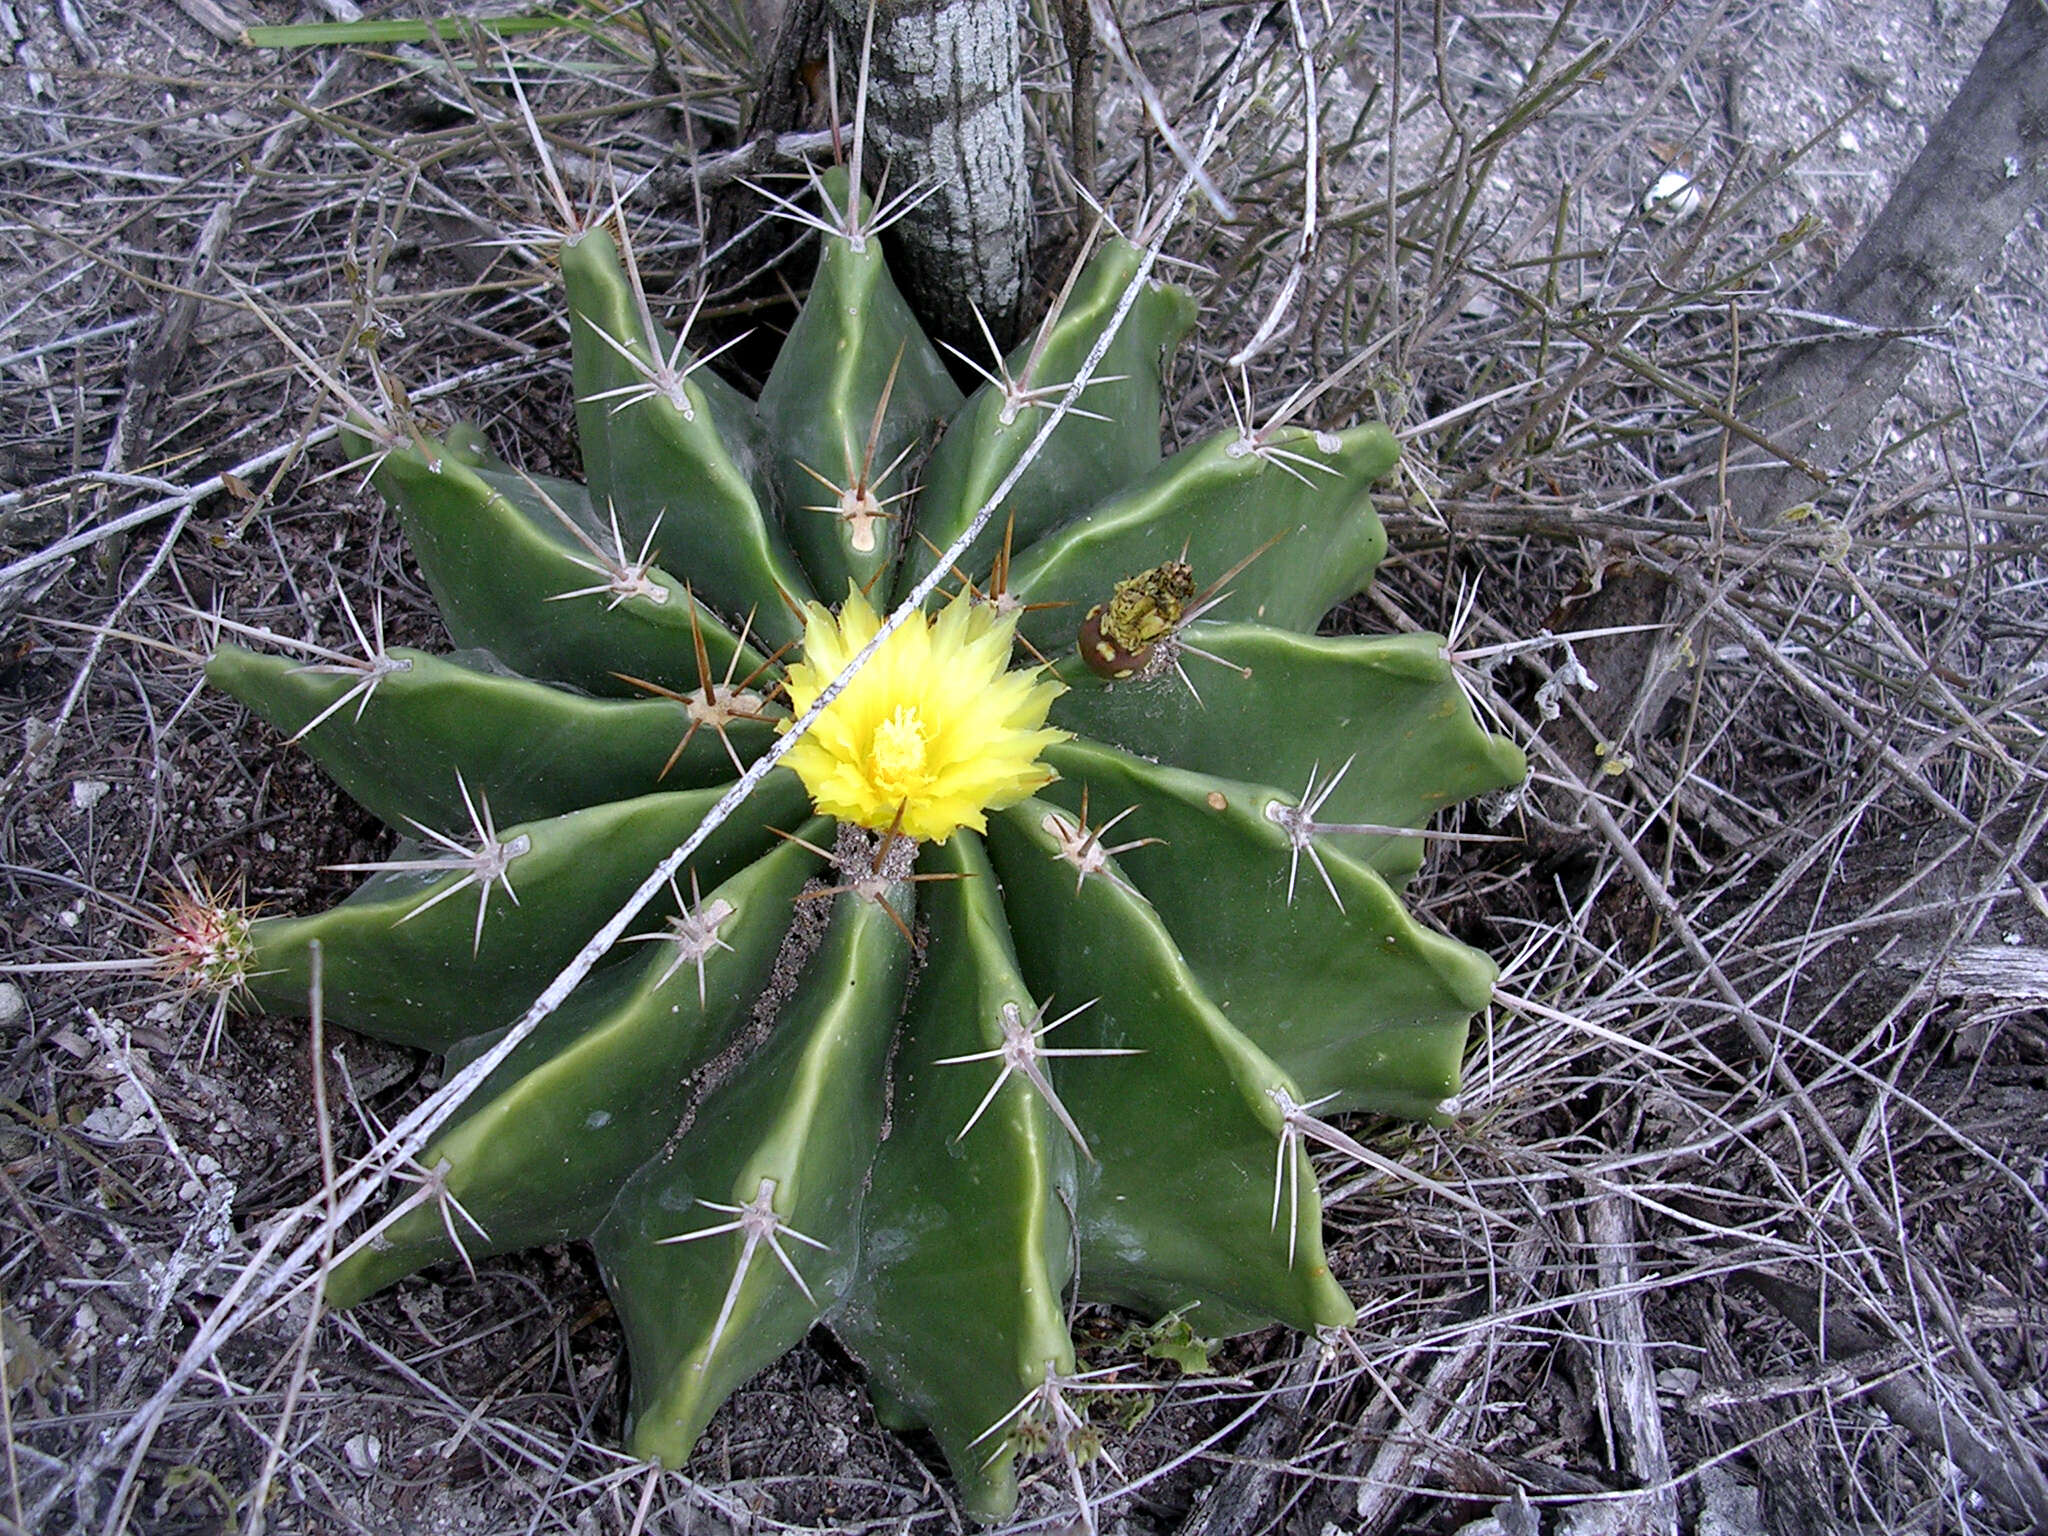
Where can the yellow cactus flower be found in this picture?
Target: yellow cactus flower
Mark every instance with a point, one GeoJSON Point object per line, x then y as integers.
{"type": "Point", "coordinates": [936, 725]}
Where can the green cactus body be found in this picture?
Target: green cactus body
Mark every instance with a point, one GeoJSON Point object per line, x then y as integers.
{"type": "Point", "coordinates": [829, 1085]}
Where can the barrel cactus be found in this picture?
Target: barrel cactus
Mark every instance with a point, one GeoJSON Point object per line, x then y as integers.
{"type": "Point", "coordinates": [1022, 983]}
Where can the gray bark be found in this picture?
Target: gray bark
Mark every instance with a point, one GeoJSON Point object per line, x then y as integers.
{"type": "Point", "coordinates": [1946, 222]}
{"type": "Point", "coordinates": [783, 103]}
{"type": "Point", "coordinates": [946, 111]}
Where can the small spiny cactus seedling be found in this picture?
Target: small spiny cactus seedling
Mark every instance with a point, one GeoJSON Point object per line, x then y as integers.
{"type": "Point", "coordinates": [938, 1072]}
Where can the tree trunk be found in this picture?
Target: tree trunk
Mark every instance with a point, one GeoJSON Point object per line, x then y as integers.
{"type": "Point", "coordinates": [1947, 221]}
{"type": "Point", "coordinates": [946, 114]}
{"type": "Point", "coordinates": [784, 102]}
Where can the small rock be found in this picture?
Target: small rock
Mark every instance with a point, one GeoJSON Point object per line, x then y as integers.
{"type": "Point", "coordinates": [363, 1450]}
{"type": "Point", "coordinates": [1678, 1381]}
{"type": "Point", "coordinates": [38, 748]}
{"type": "Point", "coordinates": [109, 1122]}
{"type": "Point", "coordinates": [1729, 1507]}
{"type": "Point", "coordinates": [1674, 195]}
{"type": "Point", "coordinates": [87, 793]}
{"type": "Point", "coordinates": [1603, 1519]}
{"type": "Point", "coordinates": [1516, 1517]}
{"type": "Point", "coordinates": [13, 1006]}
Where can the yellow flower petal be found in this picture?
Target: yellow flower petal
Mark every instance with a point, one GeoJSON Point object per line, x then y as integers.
{"type": "Point", "coordinates": [935, 727]}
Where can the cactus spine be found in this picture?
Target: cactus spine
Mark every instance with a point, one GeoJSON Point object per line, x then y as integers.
{"type": "Point", "coordinates": [931, 1086]}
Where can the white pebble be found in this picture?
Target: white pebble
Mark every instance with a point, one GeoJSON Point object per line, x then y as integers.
{"type": "Point", "coordinates": [363, 1451]}
{"type": "Point", "coordinates": [1674, 195]}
